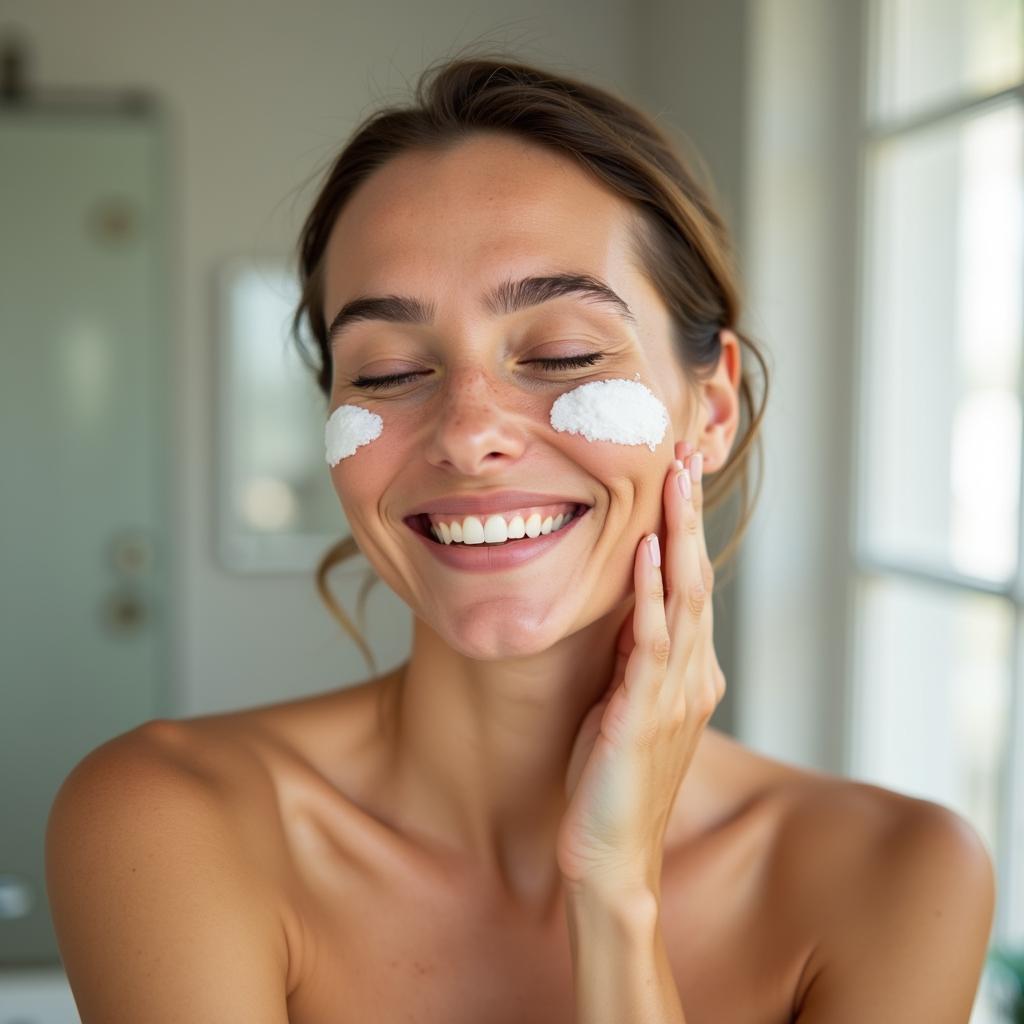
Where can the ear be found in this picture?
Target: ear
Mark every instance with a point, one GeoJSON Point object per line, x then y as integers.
{"type": "Point", "coordinates": [717, 417]}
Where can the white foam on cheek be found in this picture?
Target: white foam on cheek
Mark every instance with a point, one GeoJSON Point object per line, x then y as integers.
{"type": "Point", "coordinates": [621, 411]}
{"type": "Point", "coordinates": [348, 428]}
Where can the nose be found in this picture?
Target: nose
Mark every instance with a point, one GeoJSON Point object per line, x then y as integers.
{"type": "Point", "coordinates": [477, 426]}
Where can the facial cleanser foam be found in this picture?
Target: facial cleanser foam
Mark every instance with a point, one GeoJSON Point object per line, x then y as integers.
{"type": "Point", "coordinates": [622, 411]}
{"type": "Point", "coordinates": [619, 410]}
{"type": "Point", "coordinates": [347, 428]}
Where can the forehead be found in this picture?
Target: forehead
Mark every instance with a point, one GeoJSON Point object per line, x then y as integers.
{"type": "Point", "coordinates": [446, 225]}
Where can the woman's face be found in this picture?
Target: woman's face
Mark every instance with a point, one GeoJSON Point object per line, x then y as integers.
{"type": "Point", "coordinates": [447, 229]}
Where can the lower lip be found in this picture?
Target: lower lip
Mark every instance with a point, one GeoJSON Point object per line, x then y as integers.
{"type": "Point", "coordinates": [495, 557]}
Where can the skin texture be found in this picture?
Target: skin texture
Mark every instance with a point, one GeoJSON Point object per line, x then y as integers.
{"type": "Point", "coordinates": [505, 666]}
{"type": "Point", "coordinates": [387, 851]}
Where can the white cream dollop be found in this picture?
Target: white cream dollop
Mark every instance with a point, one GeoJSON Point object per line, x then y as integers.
{"type": "Point", "coordinates": [348, 428]}
{"type": "Point", "coordinates": [618, 410]}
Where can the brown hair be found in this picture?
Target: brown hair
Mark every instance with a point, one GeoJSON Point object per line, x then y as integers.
{"type": "Point", "coordinates": [680, 240]}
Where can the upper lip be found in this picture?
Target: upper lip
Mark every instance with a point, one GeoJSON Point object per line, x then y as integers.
{"type": "Point", "coordinates": [499, 501]}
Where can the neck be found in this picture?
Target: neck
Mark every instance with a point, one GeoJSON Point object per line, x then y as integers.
{"type": "Point", "coordinates": [479, 750]}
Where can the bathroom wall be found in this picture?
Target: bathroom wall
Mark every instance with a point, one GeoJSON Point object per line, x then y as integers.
{"type": "Point", "coordinates": [799, 194]}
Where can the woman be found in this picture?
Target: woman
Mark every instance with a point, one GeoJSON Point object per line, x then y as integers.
{"type": "Point", "coordinates": [515, 285]}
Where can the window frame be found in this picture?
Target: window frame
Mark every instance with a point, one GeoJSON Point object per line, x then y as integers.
{"type": "Point", "coordinates": [869, 134]}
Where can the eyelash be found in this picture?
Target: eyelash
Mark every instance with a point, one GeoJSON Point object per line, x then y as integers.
{"type": "Point", "coordinates": [565, 363]}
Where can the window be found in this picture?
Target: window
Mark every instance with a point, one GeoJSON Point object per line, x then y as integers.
{"type": "Point", "coordinates": [937, 703]}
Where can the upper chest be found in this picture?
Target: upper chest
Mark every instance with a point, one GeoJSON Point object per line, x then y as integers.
{"type": "Point", "coordinates": [387, 944]}
{"type": "Point", "coordinates": [374, 936]}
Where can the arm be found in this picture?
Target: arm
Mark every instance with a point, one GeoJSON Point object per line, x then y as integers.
{"type": "Point", "coordinates": [159, 916]}
{"type": "Point", "coordinates": [910, 943]}
{"type": "Point", "coordinates": [621, 972]}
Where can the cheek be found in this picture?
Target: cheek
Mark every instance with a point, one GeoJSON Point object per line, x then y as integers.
{"type": "Point", "coordinates": [356, 450]}
{"type": "Point", "coordinates": [625, 417]}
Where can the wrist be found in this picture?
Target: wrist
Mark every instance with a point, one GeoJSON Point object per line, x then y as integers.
{"type": "Point", "coordinates": [622, 907]}
{"type": "Point", "coordinates": [639, 879]}
{"type": "Point", "coordinates": [619, 965]}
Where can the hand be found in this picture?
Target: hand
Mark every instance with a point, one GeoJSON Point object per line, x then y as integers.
{"type": "Point", "coordinates": [635, 745]}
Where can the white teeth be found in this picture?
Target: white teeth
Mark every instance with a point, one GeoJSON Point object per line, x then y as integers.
{"type": "Point", "coordinates": [472, 530]}
{"type": "Point", "coordinates": [495, 530]}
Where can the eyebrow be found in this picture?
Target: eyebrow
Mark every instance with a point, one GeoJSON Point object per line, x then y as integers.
{"type": "Point", "coordinates": [506, 298]}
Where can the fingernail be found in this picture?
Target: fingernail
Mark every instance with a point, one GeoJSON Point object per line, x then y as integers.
{"type": "Point", "coordinates": [678, 464]}
{"type": "Point", "coordinates": [683, 479]}
{"type": "Point", "coordinates": [696, 467]}
{"type": "Point", "coordinates": [654, 548]}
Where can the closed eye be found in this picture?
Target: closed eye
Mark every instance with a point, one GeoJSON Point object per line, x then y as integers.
{"type": "Point", "coordinates": [563, 363]}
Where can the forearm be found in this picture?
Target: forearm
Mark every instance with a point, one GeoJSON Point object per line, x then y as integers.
{"type": "Point", "coordinates": [621, 972]}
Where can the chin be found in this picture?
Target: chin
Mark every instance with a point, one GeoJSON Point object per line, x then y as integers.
{"type": "Point", "coordinates": [493, 631]}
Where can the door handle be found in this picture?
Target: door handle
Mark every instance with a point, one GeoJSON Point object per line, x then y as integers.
{"type": "Point", "coordinates": [124, 611]}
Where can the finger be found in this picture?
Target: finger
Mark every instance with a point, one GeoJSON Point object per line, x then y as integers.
{"type": "Point", "coordinates": [696, 471]}
{"type": "Point", "coordinates": [645, 669]}
{"type": "Point", "coordinates": [684, 449]}
{"type": "Point", "coordinates": [696, 468]}
{"type": "Point", "coordinates": [685, 582]}
{"type": "Point", "coordinates": [709, 684]}
{"type": "Point", "coordinates": [686, 601]}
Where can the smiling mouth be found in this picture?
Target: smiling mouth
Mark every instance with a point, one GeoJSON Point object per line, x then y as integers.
{"type": "Point", "coordinates": [421, 524]}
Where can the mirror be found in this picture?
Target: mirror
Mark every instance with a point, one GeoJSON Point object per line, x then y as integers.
{"type": "Point", "coordinates": [277, 510]}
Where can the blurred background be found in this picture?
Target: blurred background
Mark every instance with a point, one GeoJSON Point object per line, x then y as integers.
{"type": "Point", "coordinates": [163, 492]}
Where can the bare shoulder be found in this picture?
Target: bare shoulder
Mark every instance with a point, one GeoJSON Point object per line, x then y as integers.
{"type": "Point", "coordinates": [225, 761]}
{"type": "Point", "coordinates": [159, 897]}
{"type": "Point", "coordinates": [898, 894]}
{"type": "Point", "coordinates": [864, 833]}
{"type": "Point", "coordinates": [840, 823]}
{"type": "Point", "coordinates": [166, 775]}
